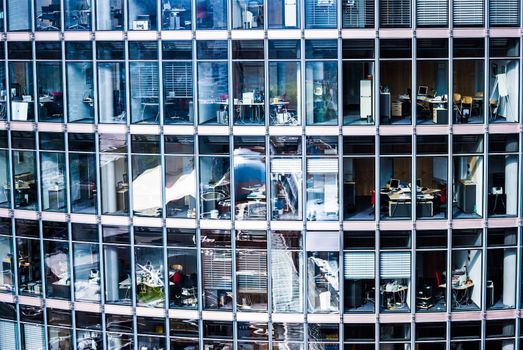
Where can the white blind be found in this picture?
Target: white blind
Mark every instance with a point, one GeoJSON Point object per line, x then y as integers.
{"type": "Point", "coordinates": [251, 271]}
{"type": "Point", "coordinates": [216, 269]}
{"type": "Point", "coordinates": [395, 13]}
{"type": "Point", "coordinates": [320, 241]}
{"type": "Point", "coordinates": [322, 165]}
{"type": "Point", "coordinates": [7, 335]}
{"type": "Point", "coordinates": [177, 79]}
{"type": "Point", "coordinates": [286, 166]}
{"type": "Point", "coordinates": [19, 14]}
{"type": "Point", "coordinates": [358, 265]}
{"type": "Point", "coordinates": [504, 12]}
{"type": "Point", "coordinates": [358, 13]}
{"type": "Point", "coordinates": [320, 13]}
{"type": "Point", "coordinates": [432, 13]}
{"type": "Point", "coordinates": [468, 12]}
{"type": "Point", "coordinates": [33, 337]}
{"type": "Point", "coordinates": [395, 265]}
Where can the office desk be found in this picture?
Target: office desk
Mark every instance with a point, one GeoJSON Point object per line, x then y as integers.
{"type": "Point", "coordinates": [398, 293]}
{"type": "Point", "coordinates": [461, 293]}
{"type": "Point", "coordinates": [403, 199]}
{"type": "Point", "coordinates": [256, 107]}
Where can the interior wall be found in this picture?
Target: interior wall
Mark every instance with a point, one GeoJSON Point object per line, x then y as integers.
{"type": "Point", "coordinates": [471, 259]}
{"type": "Point", "coordinates": [468, 77]}
{"type": "Point", "coordinates": [434, 75]}
{"type": "Point", "coordinates": [397, 76]}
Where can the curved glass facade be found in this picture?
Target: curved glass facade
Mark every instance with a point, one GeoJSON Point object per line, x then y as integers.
{"type": "Point", "coordinates": [255, 175]}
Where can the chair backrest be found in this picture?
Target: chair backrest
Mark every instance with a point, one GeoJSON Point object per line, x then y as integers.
{"type": "Point", "coordinates": [456, 97]}
{"type": "Point", "coordinates": [467, 100]}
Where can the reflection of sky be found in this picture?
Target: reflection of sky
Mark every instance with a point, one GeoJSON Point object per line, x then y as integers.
{"type": "Point", "coordinates": [249, 169]}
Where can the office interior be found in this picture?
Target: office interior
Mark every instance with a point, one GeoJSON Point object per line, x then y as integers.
{"type": "Point", "coordinates": [80, 92]}
{"type": "Point", "coordinates": [358, 92]}
{"type": "Point", "coordinates": [5, 179]}
{"type": "Point", "coordinates": [249, 93]}
{"type": "Point", "coordinates": [215, 178]}
{"type": "Point", "coordinates": [468, 97]}
{"type": "Point", "coordinates": [53, 186]}
{"type": "Point", "coordinates": [178, 106]}
{"type": "Point", "coordinates": [395, 92]}
{"type": "Point", "coordinates": [359, 195]}
{"type": "Point", "coordinates": [501, 268]}
{"type": "Point", "coordinates": [21, 90]}
{"type": "Point", "coordinates": [26, 186]}
{"type": "Point", "coordinates": [117, 272]}
{"type": "Point", "coordinates": [48, 13]}
{"type": "Point", "coordinates": [322, 271]}
{"type": "Point", "coordinates": [321, 93]}
{"type": "Point", "coordinates": [504, 89]}
{"type": "Point", "coordinates": [249, 177]}
{"type": "Point", "coordinates": [468, 187]}
{"type": "Point", "coordinates": [109, 15]}
{"type": "Point", "coordinates": [7, 259]}
{"type": "Point", "coordinates": [247, 14]}
{"type": "Point", "coordinates": [251, 270]}
{"type": "Point", "coordinates": [431, 183]}
{"type": "Point", "coordinates": [142, 15]}
{"type": "Point", "coordinates": [395, 178]}
{"type": "Point", "coordinates": [431, 267]}
{"type": "Point", "coordinates": [183, 281]}
{"type": "Point", "coordinates": [111, 92]}
{"type": "Point", "coordinates": [282, 14]}
{"type": "Point", "coordinates": [213, 97]}
{"type": "Point", "coordinates": [77, 14]}
{"type": "Point", "coordinates": [432, 101]}
{"type": "Point", "coordinates": [50, 91]}
{"type": "Point", "coordinates": [145, 92]}
{"type": "Point", "coordinates": [466, 279]}
{"type": "Point", "coordinates": [176, 14]}
{"type": "Point", "coordinates": [502, 185]}
{"type": "Point", "coordinates": [284, 94]}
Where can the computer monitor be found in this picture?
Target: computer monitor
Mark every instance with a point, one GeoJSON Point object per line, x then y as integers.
{"type": "Point", "coordinates": [394, 183]}
{"type": "Point", "coordinates": [418, 182]}
{"type": "Point", "coordinates": [423, 91]}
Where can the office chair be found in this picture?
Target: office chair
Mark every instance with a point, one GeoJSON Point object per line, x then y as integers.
{"type": "Point", "coordinates": [456, 103]}
{"type": "Point", "coordinates": [466, 108]}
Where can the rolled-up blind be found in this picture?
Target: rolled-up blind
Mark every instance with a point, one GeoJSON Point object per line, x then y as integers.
{"type": "Point", "coordinates": [468, 12]}
{"type": "Point", "coordinates": [504, 12]}
{"type": "Point", "coordinates": [217, 269]}
{"type": "Point", "coordinates": [33, 337]}
{"type": "Point", "coordinates": [8, 335]}
{"type": "Point", "coordinates": [322, 165]}
{"type": "Point", "coordinates": [358, 265]}
{"type": "Point", "coordinates": [395, 265]}
{"type": "Point", "coordinates": [286, 166]}
{"type": "Point", "coordinates": [395, 13]}
{"type": "Point", "coordinates": [432, 13]}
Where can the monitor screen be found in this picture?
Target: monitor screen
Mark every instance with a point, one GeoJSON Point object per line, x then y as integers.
{"type": "Point", "coordinates": [423, 91]}
{"type": "Point", "coordinates": [394, 183]}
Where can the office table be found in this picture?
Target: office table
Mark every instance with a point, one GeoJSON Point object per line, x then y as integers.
{"type": "Point", "coordinates": [404, 197]}
{"type": "Point", "coordinates": [398, 291]}
{"type": "Point", "coordinates": [256, 106]}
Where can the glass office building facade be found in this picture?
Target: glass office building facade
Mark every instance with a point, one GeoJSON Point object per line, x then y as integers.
{"type": "Point", "coordinates": [255, 175]}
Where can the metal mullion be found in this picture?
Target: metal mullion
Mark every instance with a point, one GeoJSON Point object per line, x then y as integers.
{"type": "Point", "coordinates": [43, 296]}
{"type": "Point", "coordinates": [94, 61]}
{"type": "Point", "coordinates": [266, 114]}
{"type": "Point", "coordinates": [35, 83]}
{"type": "Point", "coordinates": [341, 216]}
{"type": "Point", "coordinates": [339, 67]}
{"type": "Point", "coordinates": [200, 286]}
{"type": "Point", "coordinates": [161, 115]}
{"type": "Point", "coordinates": [127, 66]}
{"type": "Point", "coordinates": [377, 296]}
{"type": "Point", "coordinates": [305, 292]}
{"type": "Point", "coordinates": [233, 255]}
